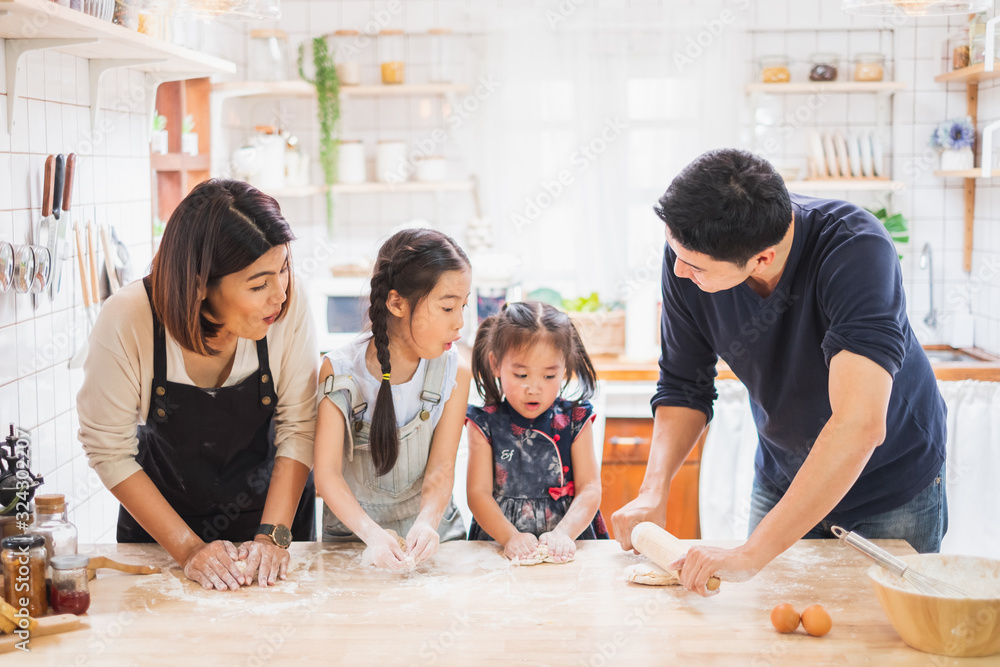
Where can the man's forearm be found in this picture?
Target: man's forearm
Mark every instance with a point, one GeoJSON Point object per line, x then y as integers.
{"type": "Point", "coordinates": [675, 433]}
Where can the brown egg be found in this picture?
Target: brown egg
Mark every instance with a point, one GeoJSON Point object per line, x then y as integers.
{"type": "Point", "coordinates": [784, 618]}
{"type": "Point", "coordinates": [816, 621]}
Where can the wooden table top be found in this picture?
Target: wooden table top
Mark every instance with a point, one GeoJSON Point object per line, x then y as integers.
{"type": "Point", "coordinates": [468, 606]}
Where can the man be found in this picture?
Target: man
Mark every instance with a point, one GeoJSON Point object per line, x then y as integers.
{"type": "Point", "coordinates": [803, 298]}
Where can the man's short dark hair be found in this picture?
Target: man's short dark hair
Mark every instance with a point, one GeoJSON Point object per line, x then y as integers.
{"type": "Point", "coordinates": [728, 204]}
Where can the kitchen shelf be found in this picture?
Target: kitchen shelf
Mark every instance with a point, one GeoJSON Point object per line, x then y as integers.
{"type": "Point", "coordinates": [971, 74]}
{"type": "Point", "coordinates": [306, 89]}
{"type": "Point", "coordinates": [105, 44]}
{"type": "Point", "coordinates": [967, 173]}
{"type": "Point", "coordinates": [854, 184]}
{"type": "Point", "coordinates": [886, 87]}
{"type": "Point", "coordinates": [372, 188]}
{"type": "Point", "coordinates": [179, 162]}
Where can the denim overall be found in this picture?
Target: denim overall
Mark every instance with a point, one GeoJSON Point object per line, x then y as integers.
{"type": "Point", "coordinates": [391, 500]}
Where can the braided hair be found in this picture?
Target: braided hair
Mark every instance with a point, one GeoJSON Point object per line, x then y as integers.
{"type": "Point", "coordinates": [518, 326]}
{"type": "Point", "coordinates": [410, 262]}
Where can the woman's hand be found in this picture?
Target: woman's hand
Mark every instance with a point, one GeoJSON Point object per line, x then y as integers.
{"type": "Point", "coordinates": [265, 559]}
{"type": "Point", "coordinates": [384, 550]}
{"type": "Point", "coordinates": [521, 545]}
{"type": "Point", "coordinates": [213, 565]}
{"type": "Point", "coordinates": [561, 548]}
{"type": "Point", "coordinates": [422, 541]}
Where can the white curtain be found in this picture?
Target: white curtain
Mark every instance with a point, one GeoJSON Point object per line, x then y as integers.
{"type": "Point", "coordinates": [973, 466]}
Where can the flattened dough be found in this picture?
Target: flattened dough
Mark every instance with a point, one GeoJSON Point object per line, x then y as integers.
{"type": "Point", "coordinates": [541, 555]}
{"type": "Point", "coordinates": [650, 574]}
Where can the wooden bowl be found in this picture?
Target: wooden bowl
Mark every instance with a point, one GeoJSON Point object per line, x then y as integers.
{"type": "Point", "coordinates": [959, 627]}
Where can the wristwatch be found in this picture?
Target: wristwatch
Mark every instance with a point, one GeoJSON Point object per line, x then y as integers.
{"type": "Point", "coordinates": [278, 534]}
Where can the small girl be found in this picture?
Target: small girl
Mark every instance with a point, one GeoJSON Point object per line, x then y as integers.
{"type": "Point", "coordinates": [392, 406]}
{"type": "Point", "coordinates": [533, 476]}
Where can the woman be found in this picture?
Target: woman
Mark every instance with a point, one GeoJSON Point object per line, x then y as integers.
{"type": "Point", "coordinates": [198, 405]}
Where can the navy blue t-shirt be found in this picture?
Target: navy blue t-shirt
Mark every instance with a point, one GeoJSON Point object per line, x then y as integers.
{"type": "Point", "coordinates": [841, 289]}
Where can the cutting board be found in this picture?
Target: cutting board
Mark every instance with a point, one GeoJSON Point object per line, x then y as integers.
{"type": "Point", "coordinates": [47, 625]}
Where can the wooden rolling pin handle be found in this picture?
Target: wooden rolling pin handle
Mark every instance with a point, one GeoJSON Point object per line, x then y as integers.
{"type": "Point", "coordinates": [662, 548]}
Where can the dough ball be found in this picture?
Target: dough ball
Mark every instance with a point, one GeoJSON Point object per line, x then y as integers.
{"type": "Point", "coordinates": [650, 574]}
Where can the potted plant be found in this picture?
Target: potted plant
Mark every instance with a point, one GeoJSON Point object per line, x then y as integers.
{"type": "Point", "coordinates": [189, 138]}
{"type": "Point", "coordinates": [328, 110]}
{"type": "Point", "coordinates": [895, 225]}
{"type": "Point", "coordinates": [158, 139]}
{"type": "Point", "coordinates": [955, 139]}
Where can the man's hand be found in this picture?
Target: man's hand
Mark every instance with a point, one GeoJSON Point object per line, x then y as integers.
{"type": "Point", "coordinates": [702, 563]}
{"type": "Point", "coordinates": [213, 565]}
{"type": "Point", "coordinates": [635, 512]}
{"type": "Point", "coordinates": [266, 559]}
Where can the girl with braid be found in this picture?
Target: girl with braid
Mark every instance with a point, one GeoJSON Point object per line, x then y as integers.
{"type": "Point", "coordinates": [533, 477]}
{"type": "Point", "coordinates": [393, 404]}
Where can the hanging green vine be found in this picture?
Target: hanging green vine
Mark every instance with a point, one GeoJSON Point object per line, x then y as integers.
{"type": "Point", "coordinates": [328, 110]}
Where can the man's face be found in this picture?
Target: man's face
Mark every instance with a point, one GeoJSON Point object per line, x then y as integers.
{"type": "Point", "coordinates": [710, 275]}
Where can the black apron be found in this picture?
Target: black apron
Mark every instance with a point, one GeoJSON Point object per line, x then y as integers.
{"type": "Point", "coordinates": [210, 452]}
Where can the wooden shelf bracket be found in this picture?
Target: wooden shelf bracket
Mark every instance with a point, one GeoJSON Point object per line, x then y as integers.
{"type": "Point", "coordinates": [14, 49]}
{"type": "Point", "coordinates": [98, 67]}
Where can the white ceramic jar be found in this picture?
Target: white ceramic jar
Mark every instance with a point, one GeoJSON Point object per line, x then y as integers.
{"type": "Point", "coordinates": [390, 161]}
{"type": "Point", "coordinates": [431, 169]}
{"type": "Point", "coordinates": [351, 162]}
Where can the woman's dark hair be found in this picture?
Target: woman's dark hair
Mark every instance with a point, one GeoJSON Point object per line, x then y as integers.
{"type": "Point", "coordinates": [517, 327]}
{"type": "Point", "coordinates": [410, 262]}
{"type": "Point", "coordinates": [221, 227]}
{"type": "Point", "coordinates": [728, 204]}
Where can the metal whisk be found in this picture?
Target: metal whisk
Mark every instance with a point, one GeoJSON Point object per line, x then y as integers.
{"type": "Point", "coordinates": [923, 583]}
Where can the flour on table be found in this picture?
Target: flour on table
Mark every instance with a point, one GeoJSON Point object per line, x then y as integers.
{"type": "Point", "coordinates": [541, 555]}
{"type": "Point", "coordinates": [650, 574]}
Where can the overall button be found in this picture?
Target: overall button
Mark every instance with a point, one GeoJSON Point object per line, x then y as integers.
{"type": "Point", "coordinates": [424, 415]}
{"type": "Point", "coordinates": [161, 412]}
{"type": "Point", "coordinates": [160, 391]}
{"type": "Point", "coordinates": [264, 378]}
{"type": "Point", "coordinates": [266, 400]}
{"type": "Point", "coordinates": [358, 426]}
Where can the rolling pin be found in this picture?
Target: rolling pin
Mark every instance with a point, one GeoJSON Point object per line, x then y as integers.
{"type": "Point", "coordinates": [97, 562]}
{"type": "Point", "coordinates": [662, 548]}
{"type": "Point", "coordinates": [46, 625]}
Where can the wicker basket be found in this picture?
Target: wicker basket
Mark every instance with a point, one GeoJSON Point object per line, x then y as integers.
{"type": "Point", "coordinates": [602, 333]}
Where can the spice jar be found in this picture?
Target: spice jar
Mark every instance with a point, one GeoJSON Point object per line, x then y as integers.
{"type": "Point", "coordinates": [23, 560]}
{"type": "Point", "coordinates": [774, 69]}
{"type": "Point", "coordinates": [346, 57]}
{"type": "Point", "coordinates": [70, 594]}
{"type": "Point", "coordinates": [268, 55]}
{"type": "Point", "coordinates": [51, 523]}
{"type": "Point", "coordinates": [869, 67]}
{"type": "Point", "coordinates": [823, 67]}
{"type": "Point", "coordinates": [441, 55]}
{"type": "Point", "coordinates": [390, 56]}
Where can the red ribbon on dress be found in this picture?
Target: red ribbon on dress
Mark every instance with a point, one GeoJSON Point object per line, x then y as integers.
{"type": "Point", "coordinates": [558, 492]}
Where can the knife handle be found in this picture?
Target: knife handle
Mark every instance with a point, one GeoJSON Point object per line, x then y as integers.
{"type": "Point", "coordinates": [81, 261]}
{"type": "Point", "coordinates": [92, 259]}
{"type": "Point", "coordinates": [47, 183]}
{"type": "Point", "coordinates": [68, 186]}
{"type": "Point", "coordinates": [57, 186]}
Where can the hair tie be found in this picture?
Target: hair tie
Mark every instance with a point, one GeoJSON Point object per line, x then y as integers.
{"type": "Point", "coordinates": [385, 376]}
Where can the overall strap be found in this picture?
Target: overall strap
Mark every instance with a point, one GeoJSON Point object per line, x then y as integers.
{"type": "Point", "coordinates": [431, 392]}
{"type": "Point", "coordinates": [353, 408]}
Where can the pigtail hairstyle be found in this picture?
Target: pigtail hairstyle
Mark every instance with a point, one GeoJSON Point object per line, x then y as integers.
{"type": "Point", "coordinates": [410, 262]}
{"type": "Point", "coordinates": [518, 326]}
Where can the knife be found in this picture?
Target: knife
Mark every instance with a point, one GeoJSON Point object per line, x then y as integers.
{"type": "Point", "coordinates": [58, 247]}
{"type": "Point", "coordinates": [46, 221]}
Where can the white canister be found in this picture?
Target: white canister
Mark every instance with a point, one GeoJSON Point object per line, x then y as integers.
{"type": "Point", "coordinates": [351, 162]}
{"type": "Point", "coordinates": [431, 169]}
{"type": "Point", "coordinates": [271, 161]}
{"type": "Point", "coordinates": [390, 161]}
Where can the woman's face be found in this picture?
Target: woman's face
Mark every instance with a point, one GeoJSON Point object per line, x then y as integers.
{"type": "Point", "coordinates": [246, 303]}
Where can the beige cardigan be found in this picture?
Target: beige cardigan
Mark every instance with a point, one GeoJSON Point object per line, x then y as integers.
{"type": "Point", "coordinates": [118, 376]}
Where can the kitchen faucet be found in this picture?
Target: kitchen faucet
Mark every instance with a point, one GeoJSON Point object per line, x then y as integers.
{"type": "Point", "coordinates": [927, 262]}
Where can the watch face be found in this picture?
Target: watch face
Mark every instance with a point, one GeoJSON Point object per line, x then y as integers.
{"type": "Point", "coordinates": [282, 536]}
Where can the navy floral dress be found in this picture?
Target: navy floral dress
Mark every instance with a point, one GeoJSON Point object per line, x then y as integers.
{"type": "Point", "coordinates": [533, 465]}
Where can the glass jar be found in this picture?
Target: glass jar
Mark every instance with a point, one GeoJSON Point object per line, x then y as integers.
{"type": "Point", "coordinates": [774, 69]}
{"type": "Point", "coordinates": [390, 161]}
{"type": "Point", "coordinates": [351, 161]}
{"type": "Point", "coordinates": [390, 56]}
{"type": "Point", "coordinates": [441, 39]}
{"type": "Point", "coordinates": [268, 55]}
{"type": "Point", "coordinates": [869, 67]}
{"type": "Point", "coordinates": [346, 57]}
{"type": "Point", "coordinates": [69, 592]}
{"type": "Point", "coordinates": [823, 67]}
{"type": "Point", "coordinates": [51, 524]}
{"type": "Point", "coordinates": [23, 560]}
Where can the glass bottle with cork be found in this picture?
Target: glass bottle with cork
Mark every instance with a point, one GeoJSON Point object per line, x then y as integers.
{"type": "Point", "coordinates": [52, 524]}
{"type": "Point", "coordinates": [390, 56]}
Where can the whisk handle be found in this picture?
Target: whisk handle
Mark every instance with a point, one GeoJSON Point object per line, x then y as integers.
{"type": "Point", "coordinates": [877, 554]}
